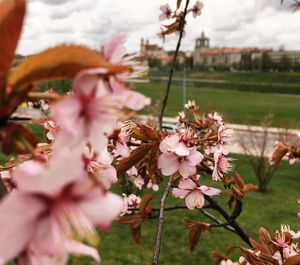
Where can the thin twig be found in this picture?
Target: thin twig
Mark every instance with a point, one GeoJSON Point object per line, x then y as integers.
{"type": "Point", "coordinates": [231, 221]}
{"type": "Point", "coordinates": [165, 100]}
{"type": "Point", "coordinates": [160, 223]}
{"type": "Point", "coordinates": [217, 222]}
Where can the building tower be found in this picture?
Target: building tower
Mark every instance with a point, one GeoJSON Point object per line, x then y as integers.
{"type": "Point", "coordinates": [202, 43]}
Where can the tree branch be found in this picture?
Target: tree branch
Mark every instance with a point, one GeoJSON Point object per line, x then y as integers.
{"type": "Point", "coordinates": [230, 219]}
{"type": "Point", "coordinates": [165, 100]}
{"type": "Point", "coordinates": [160, 224]}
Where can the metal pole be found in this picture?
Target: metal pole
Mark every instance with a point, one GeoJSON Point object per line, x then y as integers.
{"type": "Point", "coordinates": [184, 87]}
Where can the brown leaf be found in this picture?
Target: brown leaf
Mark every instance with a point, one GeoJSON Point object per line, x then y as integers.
{"type": "Point", "coordinates": [295, 260]}
{"type": "Point", "coordinates": [144, 132]}
{"type": "Point", "coordinates": [132, 220]}
{"type": "Point", "coordinates": [11, 21]}
{"type": "Point", "coordinates": [135, 223]}
{"type": "Point", "coordinates": [178, 3]}
{"type": "Point", "coordinates": [145, 201]}
{"type": "Point", "coordinates": [63, 61]}
{"type": "Point", "coordinates": [195, 231]}
{"type": "Point", "coordinates": [17, 139]}
{"type": "Point", "coordinates": [136, 155]}
{"type": "Point", "coordinates": [239, 181]}
{"type": "Point", "coordinates": [250, 187]}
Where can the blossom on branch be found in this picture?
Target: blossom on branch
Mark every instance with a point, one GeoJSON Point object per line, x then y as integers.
{"type": "Point", "coordinates": [65, 207]}
{"type": "Point", "coordinates": [177, 156]}
{"type": "Point", "coordinates": [193, 193]}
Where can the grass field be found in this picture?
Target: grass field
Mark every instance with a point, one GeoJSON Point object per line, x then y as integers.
{"type": "Point", "coordinates": [257, 77]}
{"type": "Point", "coordinates": [263, 82]}
{"type": "Point", "coordinates": [236, 106]}
{"type": "Point", "coordinates": [278, 205]}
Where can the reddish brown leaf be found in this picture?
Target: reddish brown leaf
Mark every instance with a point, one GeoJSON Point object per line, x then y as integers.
{"type": "Point", "coordinates": [17, 139]}
{"type": "Point", "coordinates": [250, 187]}
{"type": "Point", "coordinates": [195, 231]}
{"type": "Point", "coordinates": [295, 260]}
{"type": "Point", "coordinates": [136, 155]}
{"type": "Point", "coordinates": [132, 220]}
{"type": "Point", "coordinates": [11, 21]}
{"type": "Point", "coordinates": [178, 3]}
{"type": "Point", "coordinates": [239, 181]}
{"type": "Point", "coordinates": [63, 61]}
{"type": "Point", "coordinates": [144, 203]}
{"type": "Point", "coordinates": [136, 234]}
{"type": "Point", "coordinates": [135, 223]}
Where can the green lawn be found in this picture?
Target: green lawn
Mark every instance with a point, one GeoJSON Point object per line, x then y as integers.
{"type": "Point", "coordinates": [277, 206]}
{"type": "Point", "coordinates": [280, 83]}
{"type": "Point", "coordinates": [237, 107]}
{"type": "Point", "coordinates": [257, 77]}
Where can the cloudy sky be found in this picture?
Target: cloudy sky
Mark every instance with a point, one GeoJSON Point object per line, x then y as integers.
{"type": "Point", "coordinates": [240, 23]}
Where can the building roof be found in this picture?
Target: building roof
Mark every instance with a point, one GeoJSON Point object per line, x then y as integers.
{"type": "Point", "coordinates": [224, 50]}
{"type": "Point", "coordinates": [152, 47]}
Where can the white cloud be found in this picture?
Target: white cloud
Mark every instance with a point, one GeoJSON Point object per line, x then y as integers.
{"type": "Point", "coordinates": [261, 23]}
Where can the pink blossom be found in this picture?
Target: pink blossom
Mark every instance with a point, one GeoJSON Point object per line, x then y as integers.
{"type": "Point", "coordinates": [197, 8]}
{"type": "Point", "coordinates": [59, 209]}
{"type": "Point", "coordinates": [100, 167]}
{"type": "Point", "coordinates": [114, 51]}
{"type": "Point", "coordinates": [287, 229]}
{"type": "Point", "coordinates": [129, 203]}
{"type": "Point", "coordinates": [135, 178]}
{"type": "Point", "coordinates": [166, 12]}
{"type": "Point", "coordinates": [216, 117]}
{"type": "Point", "coordinates": [177, 156]}
{"type": "Point", "coordinates": [225, 135]}
{"type": "Point", "coordinates": [120, 139]}
{"type": "Point", "coordinates": [193, 194]}
{"type": "Point", "coordinates": [222, 165]}
{"type": "Point", "coordinates": [52, 130]}
{"type": "Point", "coordinates": [87, 115]}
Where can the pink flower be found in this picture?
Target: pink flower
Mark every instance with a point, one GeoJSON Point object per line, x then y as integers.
{"type": "Point", "coordinates": [52, 130]}
{"type": "Point", "coordinates": [197, 8]}
{"type": "Point", "coordinates": [193, 194]}
{"type": "Point", "coordinates": [114, 51]}
{"type": "Point", "coordinates": [222, 165]}
{"type": "Point", "coordinates": [120, 139]}
{"type": "Point", "coordinates": [166, 12]}
{"type": "Point", "coordinates": [130, 202]}
{"type": "Point", "coordinates": [52, 210]}
{"type": "Point", "coordinates": [216, 117]}
{"type": "Point", "coordinates": [99, 166]}
{"type": "Point", "coordinates": [176, 156]}
{"type": "Point", "coordinates": [225, 135]}
{"type": "Point", "coordinates": [135, 178]}
{"type": "Point", "coordinates": [87, 115]}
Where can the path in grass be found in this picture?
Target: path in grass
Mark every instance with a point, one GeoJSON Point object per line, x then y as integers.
{"type": "Point", "coordinates": [236, 106]}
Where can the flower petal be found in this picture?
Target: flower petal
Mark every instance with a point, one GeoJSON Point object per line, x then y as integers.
{"type": "Point", "coordinates": [114, 48]}
{"type": "Point", "coordinates": [186, 184]}
{"type": "Point", "coordinates": [178, 193]}
{"type": "Point", "coordinates": [18, 213]}
{"type": "Point", "coordinates": [194, 200]}
{"type": "Point", "coordinates": [102, 209]}
{"type": "Point", "coordinates": [209, 190]}
{"type": "Point", "coordinates": [168, 163]}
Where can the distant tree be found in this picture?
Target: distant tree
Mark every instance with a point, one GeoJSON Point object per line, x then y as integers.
{"type": "Point", "coordinates": [285, 63]}
{"type": "Point", "coordinates": [246, 63]}
{"type": "Point", "coordinates": [266, 62]}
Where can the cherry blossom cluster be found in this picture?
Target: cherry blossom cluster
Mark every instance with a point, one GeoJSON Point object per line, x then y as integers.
{"type": "Point", "coordinates": [67, 185]}
{"type": "Point", "coordinates": [177, 17]}
{"type": "Point", "coordinates": [280, 249]}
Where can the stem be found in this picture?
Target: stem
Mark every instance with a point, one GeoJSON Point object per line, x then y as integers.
{"type": "Point", "coordinates": [165, 100]}
{"type": "Point", "coordinates": [230, 219]}
{"type": "Point", "coordinates": [160, 223]}
{"type": "Point", "coordinates": [217, 222]}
